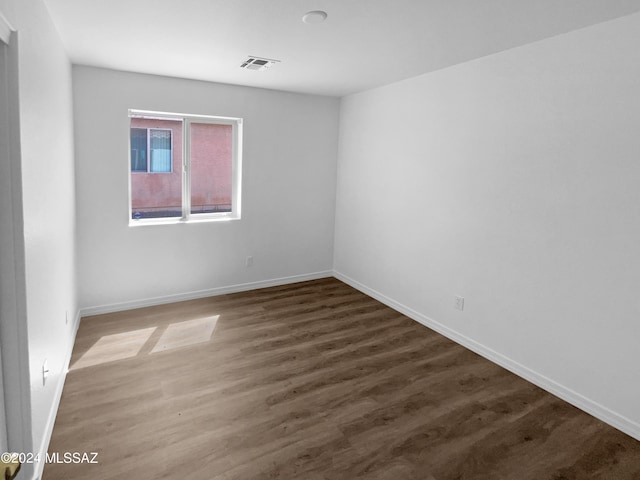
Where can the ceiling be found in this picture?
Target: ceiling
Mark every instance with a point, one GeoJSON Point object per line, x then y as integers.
{"type": "Point", "coordinates": [362, 44]}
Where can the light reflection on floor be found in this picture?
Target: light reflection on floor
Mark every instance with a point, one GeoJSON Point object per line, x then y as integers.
{"type": "Point", "coordinates": [115, 347]}
{"type": "Point", "coordinates": [120, 346]}
{"type": "Point", "coordinates": [186, 333]}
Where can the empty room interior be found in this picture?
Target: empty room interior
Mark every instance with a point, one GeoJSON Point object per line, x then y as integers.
{"type": "Point", "coordinates": [320, 239]}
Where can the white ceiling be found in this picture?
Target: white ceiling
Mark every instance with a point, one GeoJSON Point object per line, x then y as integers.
{"type": "Point", "coordinates": [362, 44]}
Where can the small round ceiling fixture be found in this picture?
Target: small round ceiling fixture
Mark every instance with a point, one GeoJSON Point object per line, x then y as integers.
{"type": "Point", "coordinates": [316, 16]}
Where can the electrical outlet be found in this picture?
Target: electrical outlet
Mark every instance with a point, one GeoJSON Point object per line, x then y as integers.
{"type": "Point", "coordinates": [459, 303]}
{"type": "Point", "coordinates": [249, 261]}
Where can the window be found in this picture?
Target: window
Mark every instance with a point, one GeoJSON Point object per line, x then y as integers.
{"type": "Point", "coordinates": [151, 150]}
{"type": "Point", "coordinates": [184, 167]}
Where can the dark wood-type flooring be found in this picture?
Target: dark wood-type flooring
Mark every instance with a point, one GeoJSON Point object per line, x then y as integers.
{"type": "Point", "coordinates": [311, 381]}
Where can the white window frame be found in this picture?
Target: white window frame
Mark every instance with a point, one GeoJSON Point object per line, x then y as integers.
{"type": "Point", "coordinates": [236, 167]}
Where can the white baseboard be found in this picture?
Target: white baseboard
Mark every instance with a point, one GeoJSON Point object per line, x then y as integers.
{"type": "Point", "coordinates": [242, 287]}
{"type": "Point", "coordinates": [608, 416]}
{"type": "Point", "coordinates": [48, 429]}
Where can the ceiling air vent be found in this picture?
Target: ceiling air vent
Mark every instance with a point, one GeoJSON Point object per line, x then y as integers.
{"type": "Point", "coordinates": [257, 63]}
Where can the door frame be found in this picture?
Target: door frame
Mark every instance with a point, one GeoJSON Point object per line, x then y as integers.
{"type": "Point", "coordinates": [13, 307]}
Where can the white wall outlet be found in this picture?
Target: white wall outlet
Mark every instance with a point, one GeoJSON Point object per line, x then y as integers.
{"type": "Point", "coordinates": [45, 371]}
{"type": "Point", "coordinates": [249, 261]}
{"type": "Point", "coordinates": [459, 303]}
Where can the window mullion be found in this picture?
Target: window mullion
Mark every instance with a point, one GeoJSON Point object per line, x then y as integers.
{"type": "Point", "coordinates": [148, 150]}
{"type": "Point", "coordinates": [186, 169]}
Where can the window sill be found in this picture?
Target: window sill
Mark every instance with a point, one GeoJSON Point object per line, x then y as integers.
{"type": "Point", "coordinates": [177, 221]}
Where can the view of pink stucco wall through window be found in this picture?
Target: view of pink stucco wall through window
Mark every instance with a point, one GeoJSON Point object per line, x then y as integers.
{"type": "Point", "coordinates": [156, 168]}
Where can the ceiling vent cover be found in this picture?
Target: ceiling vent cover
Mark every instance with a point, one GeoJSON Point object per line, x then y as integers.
{"type": "Point", "coordinates": [257, 63]}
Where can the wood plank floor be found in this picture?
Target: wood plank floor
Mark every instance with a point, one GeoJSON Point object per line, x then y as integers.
{"type": "Point", "coordinates": [311, 381]}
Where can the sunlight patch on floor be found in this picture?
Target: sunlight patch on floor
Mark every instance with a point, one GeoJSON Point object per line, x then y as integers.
{"type": "Point", "coordinates": [115, 347]}
{"type": "Point", "coordinates": [183, 334]}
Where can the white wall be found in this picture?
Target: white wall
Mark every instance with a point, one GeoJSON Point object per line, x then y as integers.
{"type": "Point", "coordinates": [44, 224]}
{"type": "Point", "coordinates": [288, 204]}
{"type": "Point", "coordinates": [512, 181]}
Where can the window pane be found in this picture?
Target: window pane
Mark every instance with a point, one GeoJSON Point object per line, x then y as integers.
{"type": "Point", "coordinates": [157, 192]}
{"type": "Point", "coordinates": [211, 167]}
{"type": "Point", "coordinates": [160, 150]}
{"type": "Point", "coordinates": [138, 149]}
